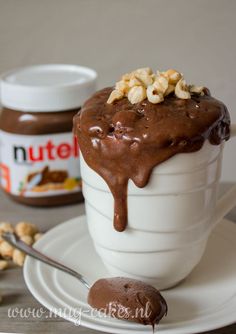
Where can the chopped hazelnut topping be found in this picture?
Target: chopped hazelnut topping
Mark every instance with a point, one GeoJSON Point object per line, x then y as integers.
{"type": "Point", "coordinates": [143, 83]}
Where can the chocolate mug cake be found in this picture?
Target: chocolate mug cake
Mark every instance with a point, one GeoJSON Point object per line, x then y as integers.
{"type": "Point", "coordinates": [136, 131]}
{"type": "Point", "coordinates": [126, 131]}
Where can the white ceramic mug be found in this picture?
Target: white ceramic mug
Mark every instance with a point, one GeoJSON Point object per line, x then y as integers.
{"type": "Point", "coordinates": [169, 220]}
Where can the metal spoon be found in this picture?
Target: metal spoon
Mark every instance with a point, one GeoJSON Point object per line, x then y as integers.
{"type": "Point", "coordinates": [96, 292]}
{"type": "Point", "coordinates": [15, 241]}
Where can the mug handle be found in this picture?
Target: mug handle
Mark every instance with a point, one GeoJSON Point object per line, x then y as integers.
{"type": "Point", "coordinates": [228, 201]}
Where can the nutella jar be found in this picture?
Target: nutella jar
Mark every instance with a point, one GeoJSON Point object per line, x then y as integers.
{"type": "Point", "coordinates": [39, 156]}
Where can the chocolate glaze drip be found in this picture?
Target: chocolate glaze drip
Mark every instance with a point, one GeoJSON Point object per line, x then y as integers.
{"type": "Point", "coordinates": [128, 299]}
{"type": "Point", "coordinates": [122, 141]}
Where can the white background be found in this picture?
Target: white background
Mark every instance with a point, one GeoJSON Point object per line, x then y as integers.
{"type": "Point", "coordinates": [114, 36]}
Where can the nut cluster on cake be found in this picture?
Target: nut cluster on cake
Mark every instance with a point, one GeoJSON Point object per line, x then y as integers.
{"type": "Point", "coordinates": [143, 84]}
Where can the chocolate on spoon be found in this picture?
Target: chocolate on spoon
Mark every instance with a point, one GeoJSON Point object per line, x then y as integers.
{"type": "Point", "coordinates": [120, 297]}
{"type": "Point", "coordinates": [128, 299]}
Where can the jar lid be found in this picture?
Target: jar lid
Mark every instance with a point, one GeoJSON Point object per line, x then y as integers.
{"type": "Point", "coordinates": [47, 88]}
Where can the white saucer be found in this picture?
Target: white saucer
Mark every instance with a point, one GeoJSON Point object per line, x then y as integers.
{"type": "Point", "coordinates": [205, 300]}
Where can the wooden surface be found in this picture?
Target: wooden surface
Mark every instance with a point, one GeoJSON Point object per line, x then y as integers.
{"type": "Point", "coordinates": [14, 290]}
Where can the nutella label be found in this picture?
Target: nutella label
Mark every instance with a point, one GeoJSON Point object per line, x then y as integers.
{"type": "Point", "coordinates": [39, 166]}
